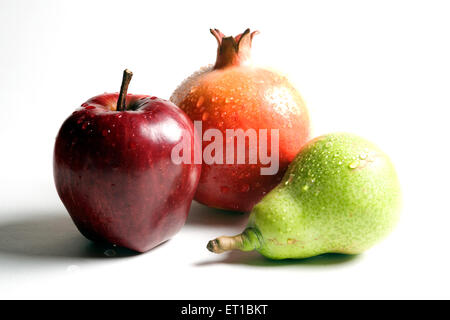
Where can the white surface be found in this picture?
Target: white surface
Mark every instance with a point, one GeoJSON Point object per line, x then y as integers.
{"type": "Point", "coordinates": [380, 69]}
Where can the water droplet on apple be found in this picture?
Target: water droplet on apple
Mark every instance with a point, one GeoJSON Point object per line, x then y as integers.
{"type": "Point", "coordinates": [224, 189]}
{"type": "Point", "coordinates": [105, 132]}
{"type": "Point", "coordinates": [245, 187]}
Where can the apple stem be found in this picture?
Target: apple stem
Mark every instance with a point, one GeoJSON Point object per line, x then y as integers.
{"type": "Point", "coordinates": [248, 240]}
{"type": "Point", "coordinates": [127, 74]}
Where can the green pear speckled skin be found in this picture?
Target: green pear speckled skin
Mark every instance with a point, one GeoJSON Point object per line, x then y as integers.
{"type": "Point", "coordinates": [340, 194]}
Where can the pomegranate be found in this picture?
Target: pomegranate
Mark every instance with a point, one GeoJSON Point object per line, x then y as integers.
{"type": "Point", "coordinates": [236, 94]}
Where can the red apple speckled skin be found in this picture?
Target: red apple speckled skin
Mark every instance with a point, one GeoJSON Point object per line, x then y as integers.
{"type": "Point", "coordinates": [113, 170]}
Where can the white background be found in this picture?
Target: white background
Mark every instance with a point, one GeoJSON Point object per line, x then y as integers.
{"type": "Point", "coordinates": [380, 69]}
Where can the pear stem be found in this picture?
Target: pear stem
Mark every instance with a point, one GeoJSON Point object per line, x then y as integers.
{"type": "Point", "coordinates": [127, 75]}
{"type": "Point", "coordinates": [248, 240]}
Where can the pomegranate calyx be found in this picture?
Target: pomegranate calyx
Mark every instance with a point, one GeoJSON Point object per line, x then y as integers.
{"type": "Point", "coordinates": [233, 51]}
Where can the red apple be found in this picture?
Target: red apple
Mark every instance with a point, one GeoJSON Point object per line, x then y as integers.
{"type": "Point", "coordinates": [113, 169]}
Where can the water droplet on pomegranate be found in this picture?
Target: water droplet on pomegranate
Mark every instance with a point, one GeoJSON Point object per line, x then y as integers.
{"type": "Point", "coordinates": [119, 115]}
{"type": "Point", "coordinates": [224, 189]}
{"type": "Point", "coordinates": [200, 101]}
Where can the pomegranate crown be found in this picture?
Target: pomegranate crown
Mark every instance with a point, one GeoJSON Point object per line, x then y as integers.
{"type": "Point", "coordinates": [233, 51]}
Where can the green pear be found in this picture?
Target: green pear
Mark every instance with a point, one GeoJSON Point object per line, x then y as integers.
{"type": "Point", "coordinates": [339, 195]}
